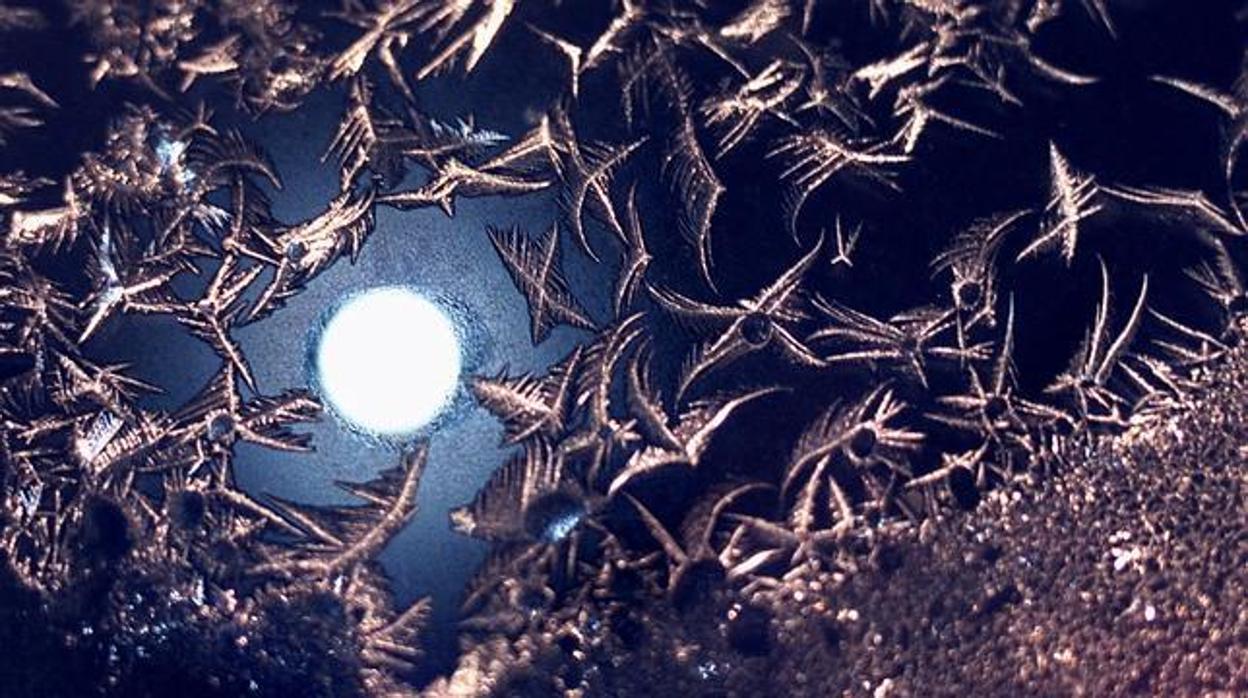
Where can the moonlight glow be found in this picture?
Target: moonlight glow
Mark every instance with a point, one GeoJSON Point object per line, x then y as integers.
{"type": "Point", "coordinates": [388, 361]}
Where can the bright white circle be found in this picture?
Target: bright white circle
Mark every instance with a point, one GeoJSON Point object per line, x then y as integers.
{"type": "Point", "coordinates": [388, 361]}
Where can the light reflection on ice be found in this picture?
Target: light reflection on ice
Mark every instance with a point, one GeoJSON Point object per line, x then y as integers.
{"type": "Point", "coordinates": [388, 361]}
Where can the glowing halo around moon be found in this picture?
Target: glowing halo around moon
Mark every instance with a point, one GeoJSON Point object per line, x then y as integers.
{"type": "Point", "coordinates": [388, 361]}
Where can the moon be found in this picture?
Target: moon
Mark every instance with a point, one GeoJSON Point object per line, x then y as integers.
{"type": "Point", "coordinates": [388, 361]}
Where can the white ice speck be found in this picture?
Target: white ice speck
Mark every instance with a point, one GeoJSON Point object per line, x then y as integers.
{"type": "Point", "coordinates": [28, 498]}
{"type": "Point", "coordinates": [707, 669]}
{"type": "Point", "coordinates": [1124, 557]}
{"type": "Point", "coordinates": [104, 426]}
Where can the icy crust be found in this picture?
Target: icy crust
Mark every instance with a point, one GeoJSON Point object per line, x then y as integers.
{"type": "Point", "coordinates": [213, 594]}
{"type": "Point", "coordinates": [1115, 567]}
